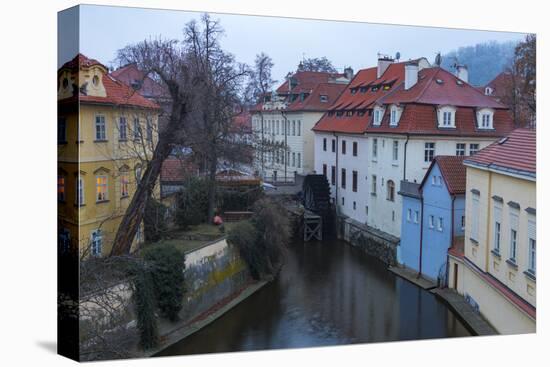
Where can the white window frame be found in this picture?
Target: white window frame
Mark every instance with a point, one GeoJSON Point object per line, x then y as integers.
{"type": "Point", "coordinates": [80, 191]}
{"type": "Point", "coordinates": [137, 129]}
{"type": "Point", "coordinates": [100, 128]}
{"type": "Point", "coordinates": [473, 150]}
{"type": "Point", "coordinates": [96, 243]}
{"type": "Point", "coordinates": [429, 146]}
{"type": "Point", "coordinates": [416, 216]}
{"type": "Point", "coordinates": [485, 118]}
{"type": "Point", "coordinates": [475, 217]}
{"type": "Point", "coordinates": [514, 235]}
{"type": "Point", "coordinates": [374, 148]}
{"type": "Point", "coordinates": [431, 221]}
{"type": "Point", "coordinates": [122, 128]}
{"type": "Point", "coordinates": [299, 127]}
{"type": "Point", "coordinates": [460, 149]}
{"type": "Point", "coordinates": [447, 115]}
{"type": "Point", "coordinates": [395, 151]}
{"type": "Point", "coordinates": [532, 245]}
{"type": "Point", "coordinates": [440, 224]}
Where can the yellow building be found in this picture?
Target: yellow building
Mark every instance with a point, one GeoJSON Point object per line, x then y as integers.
{"type": "Point", "coordinates": [497, 273]}
{"type": "Point", "coordinates": [106, 135]}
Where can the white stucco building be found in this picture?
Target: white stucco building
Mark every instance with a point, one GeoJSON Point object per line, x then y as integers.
{"type": "Point", "coordinates": [283, 122]}
{"type": "Point", "coordinates": [388, 125]}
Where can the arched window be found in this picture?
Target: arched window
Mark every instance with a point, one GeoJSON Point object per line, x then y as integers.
{"type": "Point", "coordinates": [391, 190]}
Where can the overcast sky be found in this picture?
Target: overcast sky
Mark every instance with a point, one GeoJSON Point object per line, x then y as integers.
{"type": "Point", "coordinates": [105, 29]}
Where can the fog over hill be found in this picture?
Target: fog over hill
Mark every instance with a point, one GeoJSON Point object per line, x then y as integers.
{"type": "Point", "coordinates": [484, 60]}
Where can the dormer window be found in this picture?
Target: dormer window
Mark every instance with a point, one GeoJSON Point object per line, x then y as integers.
{"type": "Point", "coordinates": [353, 90]}
{"type": "Point", "coordinates": [488, 91]}
{"type": "Point", "coordinates": [395, 115]}
{"type": "Point", "coordinates": [447, 117]}
{"type": "Point", "coordinates": [339, 113]}
{"type": "Point", "coordinates": [65, 83]}
{"type": "Point", "coordinates": [349, 113]}
{"type": "Point", "coordinates": [323, 98]}
{"type": "Point", "coordinates": [485, 118]}
{"type": "Point", "coordinates": [95, 80]}
{"type": "Point", "coordinates": [378, 114]}
{"type": "Point", "coordinates": [363, 89]}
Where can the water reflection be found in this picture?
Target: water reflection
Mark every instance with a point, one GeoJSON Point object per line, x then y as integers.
{"type": "Point", "coordinates": [327, 294]}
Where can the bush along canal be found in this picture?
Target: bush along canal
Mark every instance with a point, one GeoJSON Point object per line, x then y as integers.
{"type": "Point", "coordinates": [327, 293]}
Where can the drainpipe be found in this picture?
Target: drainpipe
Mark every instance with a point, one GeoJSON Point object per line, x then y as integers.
{"type": "Point", "coordinates": [421, 235]}
{"type": "Point", "coordinates": [452, 238]}
{"type": "Point", "coordinates": [405, 159]}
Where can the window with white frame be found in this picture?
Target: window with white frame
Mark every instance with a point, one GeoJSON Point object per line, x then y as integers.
{"type": "Point", "coordinates": [293, 127]}
{"type": "Point", "coordinates": [97, 242]}
{"type": "Point", "coordinates": [374, 148]}
{"type": "Point", "coordinates": [409, 215]}
{"type": "Point", "coordinates": [447, 117]}
{"type": "Point", "coordinates": [532, 244]}
{"type": "Point", "coordinates": [440, 224]}
{"type": "Point", "coordinates": [431, 221]}
{"type": "Point", "coordinates": [497, 236]}
{"type": "Point", "coordinates": [416, 216]}
{"type": "Point", "coordinates": [124, 184]}
{"type": "Point", "coordinates": [122, 127]}
{"type": "Point", "coordinates": [137, 129]}
{"type": "Point", "coordinates": [299, 127]}
{"type": "Point", "coordinates": [378, 114]}
{"type": "Point", "coordinates": [390, 187]}
{"type": "Point", "coordinates": [485, 118]}
{"type": "Point", "coordinates": [460, 149]}
{"type": "Point", "coordinates": [395, 150]}
{"type": "Point", "coordinates": [429, 152]}
{"type": "Point", "coordinates": [474, 148]}
{"type": "Point", "coordinates": [393, 116]}
{"type": "Point", "coordinates": [514, 219]}
{"type": "Point", "coordinates": [80, 191]}
{"type": "Point", "coordinates": [100, 132]}
{"type": "Point", "coordinates": [475, 217]}
{"type": "Point", "coordinates": [101, 188]}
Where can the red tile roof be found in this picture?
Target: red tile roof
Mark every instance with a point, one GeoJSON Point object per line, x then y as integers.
{"type": "Point", "coordinates": [242, 123]}
{"type": "Point", "coordinates": [150, 88]}
{"type": "Point", "coordinates": [307, 80]}
{"type": "Point", "coordinates": [435, 87]}
{"type": "Point", "coordinates": [80, 61]}
{"type": "Point", "coordinates": [313, 102]}
{"type": "Point", "coordinates": [117, 93]}
{"type": "Point", "coordinates": [176, 170]}
{"type": "Point", "coordinates": [453, 172]}
{"type": "Point", "coordinates": [516, 153]}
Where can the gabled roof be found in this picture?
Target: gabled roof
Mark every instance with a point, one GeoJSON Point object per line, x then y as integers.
{"type": "Point", "coordinates": [435, 87]}
{"type": "Point", "coordinates": [80, 61]}
{"type": "Point", "coordinates": [117, 93]}
{"type": "Point", "coordinates": [453, 172]}
{"type": "Point", "coordinates": [515, 154]}
{"type": "Point", "coordinates": [130, 74]}
{"type": "Point", "coordinates": [306, 81]}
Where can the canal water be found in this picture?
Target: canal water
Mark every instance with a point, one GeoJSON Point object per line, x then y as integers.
{"type": "Point", "coordinates": [327, 293]}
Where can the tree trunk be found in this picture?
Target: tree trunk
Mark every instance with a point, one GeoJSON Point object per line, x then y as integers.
{"type": "Point", "coordinates": [213, 165]}
{"type": "Point", "coordinates": [134, 213]}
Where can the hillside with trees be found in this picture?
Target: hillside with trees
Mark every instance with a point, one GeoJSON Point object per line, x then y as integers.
{"type": "Point", "coordinates": [484, 60]}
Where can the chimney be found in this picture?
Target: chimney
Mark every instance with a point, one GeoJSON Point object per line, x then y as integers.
{"type": "Point", "coordinates": [348, 72]}
{"type": "Point", "coordinates": [411, 74]}
{"type": "Point", "coordinates": [462, 72]}
{"type": "Point", "coordinates": [383, 63]}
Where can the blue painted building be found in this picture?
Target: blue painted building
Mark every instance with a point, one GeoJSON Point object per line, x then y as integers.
{"type": "Point", "coordinates": [433, 216]}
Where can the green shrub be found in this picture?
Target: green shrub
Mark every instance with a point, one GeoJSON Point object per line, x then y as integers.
{"type": "Point", "coordinates": [192, 203]}
{"type": "Point", "coordinates": [245, 236]}
{"type": "Point", "coordinates": [262, 240]}
{"type": "Point", "coordinates": [166, 264]}
{"type": "Point", "coordinates": [144, 303]}
{"type": "Point", "coordinates": [231, 200]}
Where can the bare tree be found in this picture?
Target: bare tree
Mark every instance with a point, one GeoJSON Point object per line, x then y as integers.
{"type": "Point", "coordinates": [168, 60]}
{"type": "Point", "coordinates": [258, 90]}
{"type": "Point", "coordinates": [317, 64]}
{"type": "Point", "coordinates": [210, 129]}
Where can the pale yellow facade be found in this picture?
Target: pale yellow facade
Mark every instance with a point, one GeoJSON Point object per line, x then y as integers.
{"type": "Point", "coordinates": [98, 172]}
{"type": "Point", "coordinates": [499, 273]}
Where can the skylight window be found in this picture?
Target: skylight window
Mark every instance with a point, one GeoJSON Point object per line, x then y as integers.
{"type": "Point", "coordinates": [439, 81]}
{"type": "Point", "coordinates": [323, 98]}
